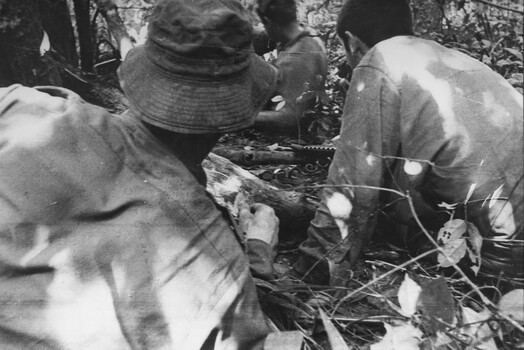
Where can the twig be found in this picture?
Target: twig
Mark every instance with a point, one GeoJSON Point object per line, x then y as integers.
{"type": "Point", "coordinates": [431, 239]}
{"type": "Point", "coordinates": [398, 268]}
{"type": "Point", "coordinates": [502, 7]}
{"type": "Point", "coordinates": [325, 3]}
{"type": "Point", "coordinates": [135, 7]}
{"type": "Point", "coordinates": [351, 186]}
{"type": "Point", "coordinates": [360, 149]}
{"type": "Point", "coordinates": [484, 299]}
{"type": "Point", "coordinates": [369, 319]}
{"type": "Point", "coordinates": [76, 76]}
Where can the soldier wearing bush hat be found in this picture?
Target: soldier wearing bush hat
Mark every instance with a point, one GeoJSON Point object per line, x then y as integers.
{"type": "Point", "coordinates": [108, 239]}
{"type": "Point", "coordinates": [197, 73]}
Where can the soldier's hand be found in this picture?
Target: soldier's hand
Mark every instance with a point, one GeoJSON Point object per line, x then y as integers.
{"type": "Point", "coordinates": [259, 221]}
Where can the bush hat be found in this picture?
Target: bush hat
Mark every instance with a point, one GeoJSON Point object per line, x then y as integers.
{"type": "Point", "coordinates": [197, 72]}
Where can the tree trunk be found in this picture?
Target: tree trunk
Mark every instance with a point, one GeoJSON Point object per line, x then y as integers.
{"type": "Point", "coordinates": [83, 25]}
{"type": "Point", "coordinates": [56, 21]}
{"type": "Point", "coordinates": [22, 26]}
{"type": "Point", "coordinates": [116, 27]}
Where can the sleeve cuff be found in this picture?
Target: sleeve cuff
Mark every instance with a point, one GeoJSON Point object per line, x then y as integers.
{"type": "Point", "coordinates": [260, 255]}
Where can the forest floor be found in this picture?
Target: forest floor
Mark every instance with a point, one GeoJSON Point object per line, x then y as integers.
{"type": "Point", "coordinates": [447, 311]}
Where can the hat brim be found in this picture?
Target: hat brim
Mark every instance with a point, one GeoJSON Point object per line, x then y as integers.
{"type": "Point", "coordinates": [195, 106]}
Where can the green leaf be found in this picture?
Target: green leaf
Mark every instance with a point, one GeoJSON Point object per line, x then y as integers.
{"type": "Point", "coordinates": [436, 303]}
{"type": "Point", "coordinates": [486, 43]}
{"type": "Point", "coordinates": [324, 98]}
{"type": "Point", "coordinates": [454, 251]}
{"type": "Point", "coordinates": [452, 230]}
{"type": "Point", "coordinates": [502, 63]}
{"type": "Point", "coordinates": [514, 52]}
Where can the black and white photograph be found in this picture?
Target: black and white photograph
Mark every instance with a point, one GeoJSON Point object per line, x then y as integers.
{"type": "Point", "coordinates": [261, 175]}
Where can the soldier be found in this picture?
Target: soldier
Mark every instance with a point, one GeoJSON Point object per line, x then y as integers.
{"type": "Point", "coordinates": [301, 63]}
{"type": "Point", "coordinates": [428, 121]}
{"type": "Point", "coordinates": [108, 239]}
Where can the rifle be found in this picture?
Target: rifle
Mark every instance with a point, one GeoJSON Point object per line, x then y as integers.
{"type": "Point", "coordinates": [294, 154]}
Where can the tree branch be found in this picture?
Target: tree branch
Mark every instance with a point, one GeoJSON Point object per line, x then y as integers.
{"type": "Point", "coordinates": [116, 27]}
{"type": "Point", "coordinates": [502, 7]}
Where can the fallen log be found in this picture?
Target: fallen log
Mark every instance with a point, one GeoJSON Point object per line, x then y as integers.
{"type": "Point", "coordinates": [248, 158]}
{"type": "Point", "coordinates": [226, 180]}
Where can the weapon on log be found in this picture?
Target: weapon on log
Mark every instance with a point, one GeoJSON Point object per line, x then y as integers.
{"type": "Point", "coordinates": [296, 154]}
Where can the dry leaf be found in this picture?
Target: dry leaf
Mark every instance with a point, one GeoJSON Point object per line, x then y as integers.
{"type": "Point", "coordinates": [280, 105]}
{"type": "Point", "coordinates": [470, 192]}
{"type": "Point", "coordinates": [447, 206]}
{"type": "Point", "coordinates": [335, 339]}
{"type": "Point", "coordinates": [514, 52]}
{"type": "Point", "coordinates": [441, 341]}
{"type": "Point", "coordinates": [404, 337]}
{"type": "Point", "coordinates": [474, 246]}
{"type": "Point", "coordinates": [45, 45]}
{"type": "Point", "coordinates": [273, 147]}
{"type": "Point", "coordinates": [512, 305]}
{"type": "Point", "coordinates": [478, 329]}
{"type": "Point", "coordinates": [436, 303]}
{"type": "Point", "coordinates": [495, 196]}
{"type": "Point", "coordinates": [408, 295]}
{"type": "Point", "coordinates": [453, 251]}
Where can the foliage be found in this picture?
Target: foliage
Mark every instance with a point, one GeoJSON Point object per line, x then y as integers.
{"type": "Point", "coordinates": [392, 301]}
{"type": "Point", "coordinates": [489, 34]}
{"type": "Point", "coordinates": [456, 238]}
{"type": "Point", "coordinates": [433, 312]}
{"type": "Point", "coordinates": [7, 22]}
{"type": "Point", "coordinates": [475, 329]}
